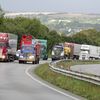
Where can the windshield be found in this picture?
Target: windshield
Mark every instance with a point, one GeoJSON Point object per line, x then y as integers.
{"type": "Point", "coordinates": [58, 48]}
{"type": "Point", "coordinates": [28, 49]}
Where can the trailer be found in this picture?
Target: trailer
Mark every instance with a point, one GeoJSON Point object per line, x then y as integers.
{"type": "Point", "coordinates": [74, 50]}
{"type": "Point", "coordinates": [43, 51]}
{"type": "Point", "coordinates": [89, 52]}
{"type": "Point", "coordinates": [57, 52]}
{"type": "Point", "coordinates": [8, 46]}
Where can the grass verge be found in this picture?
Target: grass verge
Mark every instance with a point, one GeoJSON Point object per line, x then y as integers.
{"type": "Point", "coordinates": [82, 88]}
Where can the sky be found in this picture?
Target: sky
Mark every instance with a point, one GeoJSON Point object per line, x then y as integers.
{"type": "Point", "coordinates": [73, 6]}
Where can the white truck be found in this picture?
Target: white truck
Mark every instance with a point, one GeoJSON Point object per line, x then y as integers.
{"type": "Point", "coordinates": [89, 52]}
{"type": "Point", "coordinates": [57, 52]}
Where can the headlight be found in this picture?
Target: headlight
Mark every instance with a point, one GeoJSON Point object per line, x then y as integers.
{"type": "Point", "coordinates": [3, 56]}
{"type": "Point", "coordinates": [21, 56]}
{"type": "Point", "coordinates": [17, 55]}
{"type": "Point", "coordinates": [52, 52]}
{"type": "Point", "coordinates": [31, 57]}
{"type": "Point", "coordinates": [62, 54]}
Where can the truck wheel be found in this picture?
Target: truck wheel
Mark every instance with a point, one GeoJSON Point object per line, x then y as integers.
{"type": "Point", "coordinates": [45, 57]}
{"type": "Point", "coordinates": [52, 59]}
{"type": "Point", "coordinates": [33, 62]}
{"type": "Point", "coordinates": [38, 61]}
{"type": "Point", "coordinates": [24, 62]}
{"type": "Point", "coordinates": [10, 58]}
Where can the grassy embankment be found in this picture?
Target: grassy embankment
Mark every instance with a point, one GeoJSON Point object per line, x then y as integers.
{"type": "Point", "coordinates": [84, 89]}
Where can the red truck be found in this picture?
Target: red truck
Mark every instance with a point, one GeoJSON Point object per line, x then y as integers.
{"type": "Point", "coordinates": [8, 46]}
{"type": "Point", "coordinates": [29, 51]}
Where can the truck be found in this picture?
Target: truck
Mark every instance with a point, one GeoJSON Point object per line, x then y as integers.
{"type": "Point", "coordinates": [83, 51]}
{"type": "Point", "coordinates": [89, 52]}
{"type": "Point", "coordinates": [8, 46]}
{"type": "Point", "coordinates": [57, 52]}
{"type": "Point", "coordinates": [29, 50]}
{"type": "Point", "coordinates": [74, 50]}
{"type": "Point", "coordinates": [43, 51]}
{"type": "Point", "coordinates": [61, 51]}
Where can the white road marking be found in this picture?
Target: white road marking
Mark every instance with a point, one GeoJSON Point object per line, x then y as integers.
{"type": "Point", "coordinates": [65, 94]}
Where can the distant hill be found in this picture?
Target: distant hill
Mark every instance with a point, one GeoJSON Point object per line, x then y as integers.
{"type": "Point", "coordinates": [64, 23]}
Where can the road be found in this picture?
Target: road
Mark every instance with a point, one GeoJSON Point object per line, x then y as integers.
{"type": "Point", "coordinates": [15, 84]}
{"type": "Point", "coordinates": [90, 68]}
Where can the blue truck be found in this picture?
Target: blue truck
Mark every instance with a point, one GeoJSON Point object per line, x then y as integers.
{"type": "Point", "coordinates": [29, 50]}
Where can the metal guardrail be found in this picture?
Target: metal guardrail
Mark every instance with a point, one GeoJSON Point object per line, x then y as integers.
{"type": "Point", "coordinates": [74, 74]}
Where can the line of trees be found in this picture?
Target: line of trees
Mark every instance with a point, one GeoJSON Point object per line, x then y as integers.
{"type": "Point", "coordinates": [20, 26]}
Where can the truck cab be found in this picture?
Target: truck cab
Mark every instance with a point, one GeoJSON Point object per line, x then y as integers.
{"type": "Point", "coordinates": [84, 52]}
{"type": "Point", "coordinates": [3, 46]}
{"type": "Point", "coordinates": [29, 50]}
{"type": "Point", "coordinates": [27, 54]}
{"type": "Point", "coordinates": [57, 52]}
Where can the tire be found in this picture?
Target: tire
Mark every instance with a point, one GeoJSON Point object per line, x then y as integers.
{"type": "Point", "coordinates": [24, 62]}
{"type": "Point", "coordinates": [33, 62]}
{"type": "Point", "coordinates": [38, 61]}
{"type": "Point", "coordinates": [53, 59]}
{"type": "Point", "coordinates": [10, 58]}
{"type": "Point", "coordinates": [45, 57]}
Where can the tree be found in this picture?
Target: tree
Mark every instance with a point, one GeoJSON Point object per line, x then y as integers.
{"type": "Point", "coordinates": [53, 38]}
{"type": "Point", "coordinates": [90, 36]}
{"type": "Point", "coordinates": [1, 15]}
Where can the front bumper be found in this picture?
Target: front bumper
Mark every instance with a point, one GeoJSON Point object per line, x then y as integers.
{"type": "Point", "coordinates": [27, 59]}
{"type": "Point", "coordinates": [3, 59]}
{"type": "Point", "coordinates": [57, 57]}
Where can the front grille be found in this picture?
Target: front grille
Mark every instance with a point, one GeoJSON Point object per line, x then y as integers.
{"type": "Point", "coordinates": [28, 55]}
{"type": "Point", "coordinates": [57, 53]}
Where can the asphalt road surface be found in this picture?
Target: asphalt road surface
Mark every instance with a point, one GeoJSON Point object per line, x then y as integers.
{"type": "Point", "coordinates": [90, 69]}
{"type": "Point", "coordinates": [15, 84]}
